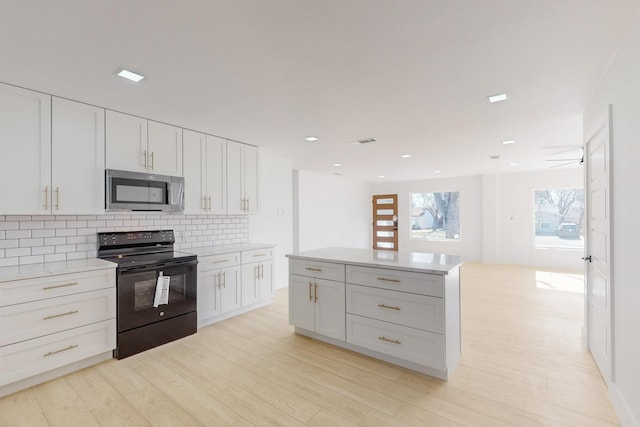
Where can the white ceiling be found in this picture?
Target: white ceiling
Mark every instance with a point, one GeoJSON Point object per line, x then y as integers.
{"type": "Point", "coordinates": [414, 74]}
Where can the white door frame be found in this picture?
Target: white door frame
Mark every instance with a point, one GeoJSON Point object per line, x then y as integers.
{"type": "Point", "coordinates": [601, 129]}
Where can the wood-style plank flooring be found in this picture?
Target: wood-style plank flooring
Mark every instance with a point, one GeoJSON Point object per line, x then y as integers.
{"type": "Point", "coordinates": [522, 364]}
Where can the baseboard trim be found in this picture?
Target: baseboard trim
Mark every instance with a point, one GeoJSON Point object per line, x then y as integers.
{"type": "Point", "coordinates": [622, 408]}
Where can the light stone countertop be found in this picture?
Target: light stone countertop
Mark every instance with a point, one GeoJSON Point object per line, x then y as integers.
{"type": "Point", "coordinates": [421, 262]}
{"type": "Point", "coordinates": [217, 250]}
{"type": "Point", "coordinates": [30, 271]}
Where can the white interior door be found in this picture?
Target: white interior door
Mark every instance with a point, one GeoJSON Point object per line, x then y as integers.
{"type": "Point", "coordinates": [598, 248]}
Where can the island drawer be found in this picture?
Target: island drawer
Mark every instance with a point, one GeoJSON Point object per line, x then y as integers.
{"type": "Point", "coordinates": [318, 269]}
{"type": "Point", "coordinates": [397, 280]}
{"type": "Point", "coordinates": [21, 322]}
{"type": "Point", "coordinates": [414, 345]}
{"type": "Point", "coordinates": [214, 262]}
{"type": "Point", "coordinates": [417, 311]}
{"type": "Point", "coordinates": [19, 291]}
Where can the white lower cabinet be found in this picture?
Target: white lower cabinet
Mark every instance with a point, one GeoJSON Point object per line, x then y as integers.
{"type": "Point", "coordinates": [317, 305]}
{"type": "Point", "coordinates": [407, 317]}
{"type": "Point", "coordinates": [232, 283]}
{"type": "Point", "coordinates": [53, 322]}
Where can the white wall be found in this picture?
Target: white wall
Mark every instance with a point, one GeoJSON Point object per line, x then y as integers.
{"type": "Point", "coordinates": [510, 219]}
{"type": "Point", "coordinates": [274, 224]}
{"type": "Point", "coordinates": [332, 211]}
{"type": "Point", "coordinates": [621, 88]}
{"type": "Point", "coordinates": [470, 244]}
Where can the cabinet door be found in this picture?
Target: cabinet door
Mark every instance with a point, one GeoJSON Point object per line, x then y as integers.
{"type": "Point", "coordinates": [77, 176]}
{"type": "Point", "coordinates": [208, 295]}
{"type": "Point", "coordinates": [216, 174]}
{"type": "Point", "coordinates": [330, 308]}
{"type": "Point", "coordinates": [250, 174]}
{"type": "Point", "coordinates": [235, 190]}
{"type": "Point", "coordinates": [165, 149]}
{"type": "Point", "coordinates": [230, 289]}
{"type": "Point", "coordinates": [195, 162]}
{"type": "Point", "coordinates": [25, 151]}
{"type": "Point", "coordinates": [301, 303]}
{"type": "Point", "coordinates": [266, 280]}
{"type": "Point", "coordinates": [126, 142]}
{"type": "Point", "coordinates": [250, 283]}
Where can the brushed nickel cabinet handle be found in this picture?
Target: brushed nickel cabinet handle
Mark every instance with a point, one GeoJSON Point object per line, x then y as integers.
{"type": "Point", "coordinates": [57, 198]}
{"type": "Point", "coordinates": [144, 158]}
{"type": "Point", "coordinates": [219, 261]}
{"type": "Point", "coordinates": [224, 279]}
{"type": "Point", "coordinates": [313, 269]}
{"type": "Point", "coordinates": [384, 279]}
{"type": "Point", "coordinates": [51, 353]}
{"type": "Point", "coordinates": [310, 286]}
{"type": "Point", "coordinates": [60, 286]}
{"type": "Point", "coordinates": [385, 339]}
{"type": "Point", "coordinates": [152, 162]}
{"type": "Point", "coordinates": [389, 307]}
{"type": "Point", "coordinates": [53, 316]}
{"type": "Point", "coordinates": [256, 255]}
{"type": "Point", "coordinates": [46, 198]}
{"type": "Point", "coordinates": [315, 292]}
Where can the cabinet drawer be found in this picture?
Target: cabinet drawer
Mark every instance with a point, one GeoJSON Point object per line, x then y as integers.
{"type": "Point", "coordinates": [417, 311]}
{"type": "Point", "coordinates": [422, 347]}
{"type": "Point", "coordinates": [214, 262]}
{"type": "Point", "coordinates": [321, 270]}
{"type": "Point", "coordinates": [405, 281]}
{"type": "Point", "coordinates": [28, 290]}
{"type": "Point", "coordinates": [257, 255]}
{"type": "Point", "coordinates": [21, 322]}
{"type": "Point", "coordinates": [27, 358]}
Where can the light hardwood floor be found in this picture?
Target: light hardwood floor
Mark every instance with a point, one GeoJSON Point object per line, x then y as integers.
{"type": "Point", "coordinates": [522, 365]}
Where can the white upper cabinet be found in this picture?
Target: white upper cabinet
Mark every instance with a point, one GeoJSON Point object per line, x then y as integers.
{"type": "Point", "coordinates": [25, 151]}
{"type": "Point", "coordinates": [242, 178]}
{"type": "Point", "coordinates": [204, 173]}
{"type": "Point", "coordinates": [164, 149]}
{"type": "Point", "coordinates": [141, 145]}
{"type": "Point", "coordinates": [126, 142]}
{"type": "Point", "coordinates": [77, 176]}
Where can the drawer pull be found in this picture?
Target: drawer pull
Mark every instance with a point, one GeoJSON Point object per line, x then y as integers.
{"type": "Point", "coordinates": [389, 307]}
{"type": "Point", "coordinates": [53, 316]}
{"type": "Point", "coordinates": [256, 255]}
{"type": "Point", "coordinates": [61, 286]}
{"type": "Point", "coordinates": [384, 279]}
{"type": "Point", "coordinates": [315, 292]}
{"type": "Point", "coordinates": [219, 261]}
{"type": "Point", "coordinates": [51, 353]}
{"type": "Point", "coordinates": [313, 269]}
{"type": "Point", "coordinates": [385, 339]}
{"type": "Point", "coordinates": [310, 296]}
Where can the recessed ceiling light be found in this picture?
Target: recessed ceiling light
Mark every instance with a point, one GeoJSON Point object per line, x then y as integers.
{"type": "Point", "coordinates": [437, 171]}
{"type": "Point", "coordinates": [497, 98]}
{"type": "Point", "coordinates": [509, 141]}
{"type": "Point", "coordinates": [130, 75]}
{"type": "Point", "coordinates": [337, 165]}
{"type": "Point", "coordinates": [405, 156]}
{"type": "Point", "coordinates": [513, 164]}
{"type": "Point", "coordinates": [380, 176]}
{"type": "Point", "coordinates": [311, 138]}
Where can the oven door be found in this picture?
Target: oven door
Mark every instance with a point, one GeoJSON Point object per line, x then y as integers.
{"type": "Point", "coordinates": [137, 290]}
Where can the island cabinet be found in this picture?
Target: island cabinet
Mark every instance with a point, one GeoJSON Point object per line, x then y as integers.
{"type": "Point", "coordinates": [401, 308]}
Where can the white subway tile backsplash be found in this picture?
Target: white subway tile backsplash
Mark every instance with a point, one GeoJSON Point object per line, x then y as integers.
{"type": "Point", "coordinates": [46, 238]}
{"type": "Point", "coordinates": [18, 234]}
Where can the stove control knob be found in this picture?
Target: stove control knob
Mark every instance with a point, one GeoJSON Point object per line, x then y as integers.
{"type": "Point", "coordinates": [162, 313]}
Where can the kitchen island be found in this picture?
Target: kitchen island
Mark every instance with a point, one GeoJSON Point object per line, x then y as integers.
{"type": "Point", "coordinates": [400, 307]}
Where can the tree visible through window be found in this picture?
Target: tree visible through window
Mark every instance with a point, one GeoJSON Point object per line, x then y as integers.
{"type": "Point", "coordinates": [559, 218]}
{"type": "Point", "coordinates": [435, 216]}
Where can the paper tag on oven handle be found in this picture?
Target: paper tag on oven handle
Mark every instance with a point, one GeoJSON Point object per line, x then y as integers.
{"type": "Point", "coordinates": [162, 290]}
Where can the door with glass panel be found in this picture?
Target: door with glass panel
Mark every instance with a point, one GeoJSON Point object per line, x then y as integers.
{"type": "Point", "coordinates": [385, 222]}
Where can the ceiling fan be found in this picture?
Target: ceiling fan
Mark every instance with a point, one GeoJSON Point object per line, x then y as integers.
{"type": "Point", "coordinates": [566, 156]}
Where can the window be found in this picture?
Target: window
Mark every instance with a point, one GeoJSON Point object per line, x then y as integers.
{"type": "Point", "coordinates": [559, 219]}
{"type": "Point", "coordinates": [435, 216]}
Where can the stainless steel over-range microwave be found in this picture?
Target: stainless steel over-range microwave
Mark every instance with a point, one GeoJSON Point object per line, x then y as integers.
{"type": "Point", "coordinates": [135, 191]}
